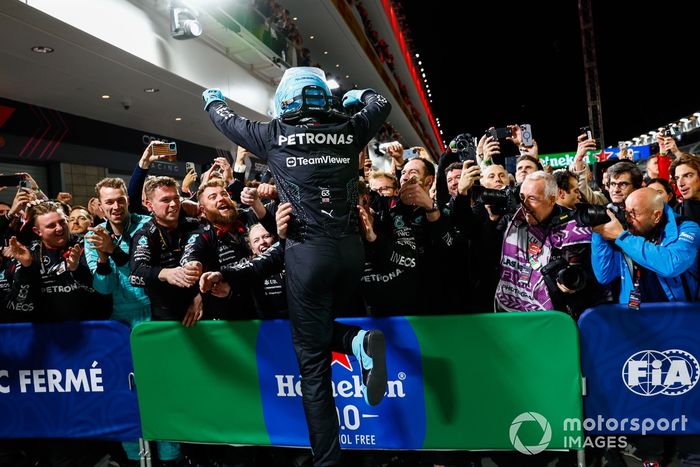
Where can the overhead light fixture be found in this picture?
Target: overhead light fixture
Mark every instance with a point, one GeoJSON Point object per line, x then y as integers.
{"type": "Point", "coordinates": [151, 90]}
{"type": "Point", "coordinates": [312, 37]}
{"type": "Point", "coordinates": [105, 96]}
{"type": "Point", "coordinates": [325, 52]}
{"type": "Point", "coordinates": [42, 49]}
{"type": "Point", "coordinates": [295, 18]}
{"type": "Point", "coordinates": [183, 22]}
{"type": "Point", "coordinates": [337, 65]}
{"type": "Point", "coordinates": [332, 84]}
{"type": "Point", "coordinates": [177, 119]}
{"type": "Point", "coordinates": [347, 76]}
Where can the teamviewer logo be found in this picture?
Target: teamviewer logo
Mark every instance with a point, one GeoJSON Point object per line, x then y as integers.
{"type": "Point", "coordinates": [291, 162]}
{"type": "Point", "coordinates": [529, 417]}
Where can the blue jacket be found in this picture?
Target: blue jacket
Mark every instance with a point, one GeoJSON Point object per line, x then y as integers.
{"type": "Point", "coordinates": [131, 304]}
{"type": "Point", "coordinates": [672, 259]}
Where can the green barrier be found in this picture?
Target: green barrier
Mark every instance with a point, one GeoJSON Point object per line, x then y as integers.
{"type": "Point", "coordinates": [199, 384]}
{"type": "Point", "coordinates": [491, 381]}
{"type": "Point", "coordinates": [482, 371]}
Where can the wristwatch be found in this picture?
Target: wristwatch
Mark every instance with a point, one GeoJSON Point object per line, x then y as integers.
{"type": "Point", "coordinates": [435, 208]}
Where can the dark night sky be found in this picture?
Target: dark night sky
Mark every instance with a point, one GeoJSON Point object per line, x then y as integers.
{"type": "Point", "coordinates": [524, 64]}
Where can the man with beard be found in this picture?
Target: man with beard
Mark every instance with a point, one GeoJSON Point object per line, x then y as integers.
{"type": "Point", "coordinates": [221, 242]}
{"type": "Point", "coordinates": [311, 148]}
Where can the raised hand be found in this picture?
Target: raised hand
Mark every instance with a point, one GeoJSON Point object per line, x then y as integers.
{"type": "Point", "coordinates": [366, 224]}
{"type": "Point", "coordinates": [282, 217]}
{"type": "Point", "coordinates": [209, 280]}
{"type": "Point", "coordinates": [470, 174]}
{"type": "Point", "coordinates": [101, 240]}
{"type": "Point", "coordinates": [73, 258]}
{"type": "Point", "coordinates": [20, 252]}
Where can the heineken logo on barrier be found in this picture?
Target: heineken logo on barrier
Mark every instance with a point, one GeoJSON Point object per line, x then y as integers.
{"type": "Point", "coordinates": [361, 426]}
{"type": "Point", "coordinates": [670, 372]}
{"type": "Point", "coordinates": [530, 418]}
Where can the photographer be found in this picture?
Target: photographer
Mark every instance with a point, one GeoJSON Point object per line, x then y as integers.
{"type": "Point", "coordinates": [545, 256]}
{"type": "Point", "coordinates": [460, 149]}
{"type": "Point", "coordinates": [655, 254]}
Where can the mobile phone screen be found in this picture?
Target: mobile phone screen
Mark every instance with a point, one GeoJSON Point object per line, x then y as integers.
{"type": "Point", "coordinates": [410, 154]}
{"type": "Point", "coordinates": [10, 180]}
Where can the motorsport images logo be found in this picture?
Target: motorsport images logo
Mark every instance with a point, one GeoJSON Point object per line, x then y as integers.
{"type": "Point", "coordinates": [652, 372]}
{"type": "Point", "coordinates": [544, 426]}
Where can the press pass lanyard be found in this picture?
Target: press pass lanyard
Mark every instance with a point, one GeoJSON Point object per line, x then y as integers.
{"type": "Point", "coordinates": [635, 300]}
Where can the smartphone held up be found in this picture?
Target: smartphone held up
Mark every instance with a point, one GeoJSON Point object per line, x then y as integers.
{"type": "Point", "coordinates": [168, 151]}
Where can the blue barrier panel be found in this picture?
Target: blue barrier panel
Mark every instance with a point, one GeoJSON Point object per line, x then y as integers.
{"type": "Point", "coordinates": [641, 369]}
{"type": "Point", "coordinates": [67, 380]}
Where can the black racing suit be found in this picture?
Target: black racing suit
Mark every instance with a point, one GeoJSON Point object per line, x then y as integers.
{"type": "Point", "coordinates": [48, 291]}
{"type": "Point", "coordinates": [154, 248]}
{"type": "Point", "coordinates": [219, 249]}
{"type": "Point", "coordinates": [265, 275]}
{"type": "Point", "coordinates": [315, 168]}
{"type": "Point", "coordinates": [402, 259]}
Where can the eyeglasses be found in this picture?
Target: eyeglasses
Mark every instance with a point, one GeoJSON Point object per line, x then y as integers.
{"type": "Point", "coordinates": [620, 185]}
{"type": "Point", "coordinates": [632, 214]}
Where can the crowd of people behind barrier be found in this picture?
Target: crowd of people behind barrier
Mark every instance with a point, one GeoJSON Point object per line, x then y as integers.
{"type": "Point", "coordinates": [438, 238]}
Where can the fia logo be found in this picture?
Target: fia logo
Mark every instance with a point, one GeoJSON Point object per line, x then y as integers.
{"type": "Point", "coordinates": [651, 372]}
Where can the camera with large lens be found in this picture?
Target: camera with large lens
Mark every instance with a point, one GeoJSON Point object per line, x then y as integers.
{"type": "Point", "coordinates": [505, 201]}
{"type": "Point", "coordinates": [571, 276]}
{"type": "Point", "coordinates": [591, 215]}
{"type": "Point", "coordinates": [464, 146]}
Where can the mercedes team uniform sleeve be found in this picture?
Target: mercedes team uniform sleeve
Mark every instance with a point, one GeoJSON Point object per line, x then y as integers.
{"type": "Point", "coordinates": [144, 268]}
{"type": "Point", "coordinates": [370, 119]}
{"type": "Point", "coordinates": [104, 280]}
{"type": "Point", "coordinates": [254, 136]}
{"type": "Point", "coordinates": [269, 262]}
